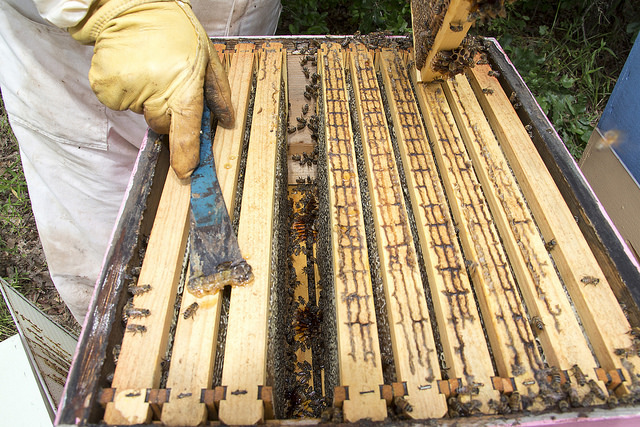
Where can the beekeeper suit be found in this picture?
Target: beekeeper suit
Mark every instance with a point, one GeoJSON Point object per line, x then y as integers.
{"type": "Point", "coordinates": [140, 56]}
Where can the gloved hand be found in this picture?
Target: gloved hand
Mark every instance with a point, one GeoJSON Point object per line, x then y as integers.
{"type": "Point", "coordinates": [154, 57]}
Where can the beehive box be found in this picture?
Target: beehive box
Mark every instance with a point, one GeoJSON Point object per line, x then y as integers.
{"type": "Point", "coordinates": [420, 252]}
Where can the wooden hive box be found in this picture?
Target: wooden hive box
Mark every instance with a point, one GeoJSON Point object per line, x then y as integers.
{"type": "Point", "coordinates": [420, 252]}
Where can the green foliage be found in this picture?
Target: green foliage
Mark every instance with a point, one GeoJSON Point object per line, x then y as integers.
{"type": "Point", "coordinates": [16, 208]}
{"type": "Point", "coordinates": [569, 52]}
{"type": "Point", "coordinates": [563, 50]}
{"type": "Point", "coordinates": [344, 17]}
{"type": "Point", "coordinates": [7, 327]}
{"type": "Point", "coordinates": [15, 213]}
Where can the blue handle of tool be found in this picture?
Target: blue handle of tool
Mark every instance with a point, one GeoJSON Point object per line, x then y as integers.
{"type": "Point", "coordinates": [205, 209]}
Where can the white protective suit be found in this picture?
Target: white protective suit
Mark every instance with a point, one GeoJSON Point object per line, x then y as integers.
{"type": "Point", "coordinates": [77, 155]}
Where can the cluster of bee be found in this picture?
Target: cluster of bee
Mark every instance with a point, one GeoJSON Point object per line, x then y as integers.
{"type": "Point", "coordinates": [312, 121]}
{"type": "Point", "coordinates": [377, 40]}
{"type": "Point", "coordinates": [307, 323]}
{"type": "Point", "coordinates": [460, 408]}
{"type": "Point", "coordinates": [483, 10]}
{"type": "Point", "coordinates": [129, 310]}
{"type": "Point", "coordinates": [428, 18]}
{"type": "Point", "coordinates": [331, 415]}
{"type": "Point", "coordinates": [507, 404]}
{"type": "Point", "coordinates": [308, 159]}
{"type": "Point", "coordinates": [303, 221]}
{"type": "Point", "coordinates": [427, 21]}
{"type": "Point", "coordinates": [301, 397]}
{"type": "Point", "coordinates": [634, 348]}
{"type": "Point", "coordinates": [452, 62]}
{"type": "Point", "coordinates": [557, 391]}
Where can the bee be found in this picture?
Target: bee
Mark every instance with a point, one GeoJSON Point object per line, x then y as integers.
{"type": "Point", "coordinates": [331, 415]}
{"type": "Point", "coordinates": [634, 332]}
{"type": "Point", "coordinates": [572, 395]}
{"type": "Point", "coordinates": [590, 280]}
{"type": "Point", "coordinates": [492, 73]}
{"type": "Point", "coordinates": [556, 378]}
{"type": "Point", "coordinates": [455, 408]}
{"type": "Point", "coordinates": [483, 59]}
{"type": "Point", "coordinates": [315, 78]}
{"type": "Point", "coordinates": [514, 401]}
{"type": "Point", "coordinates": [305, 108]}
{"type": "Point", "coordinates": [563, 405]}
{"type": "Point", "coordinates": [304, 376]}
{"type": "Point", "coordinates": [164, 363]}
{"type": "Point", "coordinates": [116, 353]}
{"type": "Point", "coordinates": [296, 157]}
{"type": "Point", "coordinates": [306, 72]}
{"type": "Point", "coordinates": [487, 91]}
{"type": "Point", "coordinates": [301, 120]}
{"type": "Point", "coordinates": [626, 399]}
{"type": "Point", "coordinates": [622, 352]}
{"type": "Point", "coordinates": [300, 126]}
{"type": "Point", "coordinates": [307, 95]}
{"type": "Point", "coordinates": [528, 128]}
{"type": "Point", "coordinates": [596, 390]}
{"type": "Point", "coordinates": [136, 328]}
{"type": "Point", "coordinates": [501, 406]}
{"type": "Point", "coordinates": [133, 394]}
{"type": "Point", "coordinates": [611, 138]}
{"type": "Point", "coordinates": [402, 406]}
{"type": "Point", "coordinates": [326, 416]}
{"type": "Point", "coordinates": [456, 28]}
{"type": "Point", "coordinates": [303, 61]}
{"type": "Point", "coordinates": [137, 312]}
{"type": "Point", "coordinates": [474, 406]}
{"type": "Point", "coordinates": [291, 129]}
{"type": "Point", "coordinates": [612, 402]}
{"type": "Point", "coordinates": [588, 399]}
{"type": "Point", "coordinates": [537, 324]}
{"type": "Point", "coordinates": [550, 245]}
{"type": "Point", "coordinates": [578, 375]}
{"type": "Point", "coordinates": [549, 397]}
{"type": "Point", "coordinates": [190, 311]}
{"type": "Point", "coordinates": [138, 290]}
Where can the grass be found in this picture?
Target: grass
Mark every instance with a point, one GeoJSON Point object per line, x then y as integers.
{"type": "Point", "coordinates": [15, 215]}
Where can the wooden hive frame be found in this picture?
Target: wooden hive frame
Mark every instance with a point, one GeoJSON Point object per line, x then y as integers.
{"type": "Point", "coordinates": [469, 116]}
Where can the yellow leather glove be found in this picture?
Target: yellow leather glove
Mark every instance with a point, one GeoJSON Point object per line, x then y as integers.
{"type": "Point", "coordinates": [154, 57]}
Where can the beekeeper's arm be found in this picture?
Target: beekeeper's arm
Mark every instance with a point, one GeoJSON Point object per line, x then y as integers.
{"type": "Point", "coordinates": [154, 58]}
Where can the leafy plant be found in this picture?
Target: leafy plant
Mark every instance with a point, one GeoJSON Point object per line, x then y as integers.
{"type": "Point", "coordinates": [344, 17]}
{"type": "Point", "coordinates": [15, 216]}
{"type": "Point", "coordinates": [569, 52]}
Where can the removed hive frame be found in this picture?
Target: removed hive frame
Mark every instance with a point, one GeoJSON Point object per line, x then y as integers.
{"type": "Point", "coordinates": [442, 48]}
